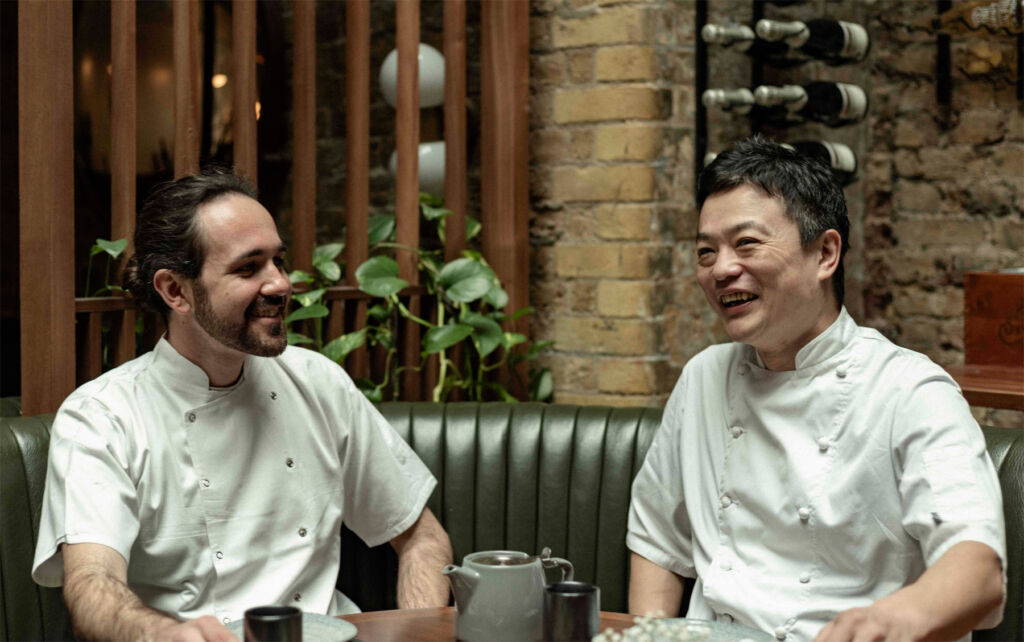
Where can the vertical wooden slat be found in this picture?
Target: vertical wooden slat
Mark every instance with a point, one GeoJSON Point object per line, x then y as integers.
{"type": "Point", "coordinates": [122, 152]}
{"type": "Point", "coordinates": [407, 214]}
{"type": "Point", "coordinates": [243, 81]}
{"type": "Point", "coordinates": [304, 152]}
{"type": "Point", "coordinates": [455, 127]}
{"type": "Point", "coordinates": [47, 204]}
{"type": "Point", "coordinates": [505, 80]}
{"type": "Point", "coordinates": [90, 347]}
{"type": "Point", "coordinates": [357, 159]}
{"type": "Point", "coordinates": [186, 89]}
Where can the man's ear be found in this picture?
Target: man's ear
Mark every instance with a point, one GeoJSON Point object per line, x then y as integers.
{"type": "Point", "coordinates": [175, 290]}
{"type": "Point", "coordinates": [829, 254]}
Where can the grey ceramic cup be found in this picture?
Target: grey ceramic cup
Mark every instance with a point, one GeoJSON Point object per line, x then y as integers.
{"type": "Point", "coordinates": [273, 624]}
{"type": "Point", "coordinates": [571, 611]}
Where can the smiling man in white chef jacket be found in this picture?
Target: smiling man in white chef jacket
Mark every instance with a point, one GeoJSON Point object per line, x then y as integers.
{"type": "Point", "coordinates": [819, 481]}
{"type": "Point", "coordinates": [214, 473]}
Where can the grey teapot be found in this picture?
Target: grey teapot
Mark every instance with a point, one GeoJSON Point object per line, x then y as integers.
{"type": "Point", "coordinates": [499, 595]}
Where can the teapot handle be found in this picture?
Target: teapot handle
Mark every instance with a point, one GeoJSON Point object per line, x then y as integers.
{"type": "Point", "coordinates": [563, 564]}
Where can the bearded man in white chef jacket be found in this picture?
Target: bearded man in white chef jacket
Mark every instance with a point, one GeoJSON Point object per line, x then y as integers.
{"type": "Point", "coordinates": [818, 481]}
{"type": "Point", "coordinates": [214, 473]}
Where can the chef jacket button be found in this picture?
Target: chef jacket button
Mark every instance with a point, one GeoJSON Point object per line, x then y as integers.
{"type": "Point", "coordinates": [726, 501]}
{"type": "Point", "coordinates": [736, 431]}
{"type": "Point", "coordinates": [823, 444]}
{"type": "Point", "coordinates": [227, 620]}
{"type": "Point", "coordinates": [302, 532]}
{"type": "Point", "coordinates": [191, 417]}
{"type": "Point", "coordinates": [841, 372]}
{"type": "Point", "coordinates": [780, 633]}
{"type": "Point", "coordinates": [804, 513]}
{"type": "Point", "coordinates": [289, 462]}
{"type": "Point", "coordinates": [297, 597]}
{"type": "Point", "coordinates": [725, 565]}
{"type": "Point", "coordinates": [206, 483]}
{"type": "Point", "coordinates": [805, 577]}
{"type": "Point", "coordinates": [743, 369]}
{"type": "Point", "coordinates": [220, 555]}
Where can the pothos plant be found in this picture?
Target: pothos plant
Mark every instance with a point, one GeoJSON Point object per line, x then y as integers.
{"type": "Point", "coordinates": [468, 299]}
{"type": "Point", "coordinates": [112, 251]}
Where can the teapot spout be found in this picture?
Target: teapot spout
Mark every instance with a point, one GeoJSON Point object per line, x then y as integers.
{"type": "Point", "coordinates": [464, 581]}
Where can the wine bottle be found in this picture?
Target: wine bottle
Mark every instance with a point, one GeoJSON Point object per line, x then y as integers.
{"type": "Point", "coordinates": [833, 41]}
{"type": "Point", "coordinates": [739, 101]}
{"type": "Point", "coordinates": [831, 103]}
{"type": "Point", "coordinates": [839, 157]}
{"type": "Point", "coordinates": [743, 39]}
{"type": "Point", "coordinates": [1001, 16]}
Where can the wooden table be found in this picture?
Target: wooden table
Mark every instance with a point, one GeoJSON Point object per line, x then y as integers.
{"type": "Point", "coordinates": [435, 625]}
{"type": "Point", "coordinates": [991, 386]}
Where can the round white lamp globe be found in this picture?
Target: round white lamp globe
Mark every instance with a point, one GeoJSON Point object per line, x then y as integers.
{"type": "Point", "coordinates": [431, 167]}
{"type": "Point", "coordinates": [431, 64]}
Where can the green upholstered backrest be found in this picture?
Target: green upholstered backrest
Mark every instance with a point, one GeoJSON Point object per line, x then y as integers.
{"type": "Point", "coordinates": [517, 476]}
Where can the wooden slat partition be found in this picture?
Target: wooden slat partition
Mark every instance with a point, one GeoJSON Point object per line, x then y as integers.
{"type": "Point", "coordinates": [407, 208]}
{"type": "Point", "coordinates": [357, 158]}
{"type": "Point", "coordinates": [243, 82]}
{"type": "Point", "coordinates": [456, 167]}
{"type": "Point", "coordinates": [122, 153]}
{"type": "Point", "coordinates": [47, 194]}
{"type": "Point", "coordinates": [304, 126]}
{"type": "Point", "coordinates": [187, 96]}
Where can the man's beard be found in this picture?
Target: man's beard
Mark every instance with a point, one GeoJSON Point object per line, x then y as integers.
{"type": "Point", "coordinates": [241, 336]}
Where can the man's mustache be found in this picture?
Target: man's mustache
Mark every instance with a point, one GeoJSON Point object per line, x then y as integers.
{"type": "Point", "coordinates": [267, 305]}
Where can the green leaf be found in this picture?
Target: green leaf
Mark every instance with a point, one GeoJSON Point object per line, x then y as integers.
{"type": "Point", "coordinates": [541, 386]}
{"type": "Point", "coordinates": [298, 276]}
{"type": "Point", "coordinates": [327, 252]}
{"type": "Point", "coordinates": [94, 250]}
{"type": "Point", "coordinates": [306, 299]}
{"type": "Point", "coordinates": [522, 312]}
{"type": "Point", "coordinates": [432, 213]}
{"type": "Point", "coordinates": [486, 331]}
{"type": "Point", "coordinates": [445, 336]}
{"type": "Point", "coordinates": [430, 199]}
{"type": "Point", "coordinates": [294, 338]}
{"type": "Point", "coordinates": [510, 339]}
{"type": "Point", "coordinates": [472, 228]}
{"type": "Point", "coordinates": [377, 313]}
{"type": "Point", "coordinates": [496, 297]}
{"type": "Point", "coordinates": [378, 276]}
{"type": "Point", "coordinates": [473, 254]}
{"type": "Point", "coordinates": [329, 270]}
{"type": "Point", "coordinates": [374, 394]}
{"type": "Point", "coordinates": [465, 280]}
{"type": "Point", "coordinates": [113, 248]}
{"type": "Point", "coordinates": [540, 345]}
{"type": "Point", "coordinates": [315, 311]}
{"type": "Point", "coordinates": [339, 348]}
{"type": "Point", "coordinates": [381, 228]}
{"type": "Point", "coordinates": [501, 390]}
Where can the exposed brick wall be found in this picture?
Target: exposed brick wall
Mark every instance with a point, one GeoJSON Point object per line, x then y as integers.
{"type": "Point", "coordinates": [941, 190]}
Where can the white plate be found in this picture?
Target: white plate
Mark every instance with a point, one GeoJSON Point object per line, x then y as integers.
{"type": "Point", "coordinates": [315, 628]}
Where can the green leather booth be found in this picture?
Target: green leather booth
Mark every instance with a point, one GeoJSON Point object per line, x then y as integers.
{"type": "Point", "coordinates": [515, 476]}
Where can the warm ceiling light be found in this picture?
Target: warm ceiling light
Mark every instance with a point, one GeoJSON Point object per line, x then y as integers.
{"type": "Point", "coordinates": [219, 80]}
{"type": "Point", "coordinates": [258, 107]}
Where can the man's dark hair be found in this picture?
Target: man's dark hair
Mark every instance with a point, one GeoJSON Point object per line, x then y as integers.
{"type": "Point", "coordinates": [805, 185]}
{"type": "Point", "coordinates": [167, 231]}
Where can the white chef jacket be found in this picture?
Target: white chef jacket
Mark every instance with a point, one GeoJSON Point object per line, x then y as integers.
{"type": "Point", "coordinates": [793, 496]}
{"type": "Point", "coordinates": [221, 500]}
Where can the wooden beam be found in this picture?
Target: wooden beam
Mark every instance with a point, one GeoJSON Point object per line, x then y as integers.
{"type": "Point", "coordinates": [357, 160]}
{"type": "Point", "coordinates": [505, 85]}
{"type": "Point", "coordinates": [122, 153]}
{"type": "Point", "coordinates": [407, 207]}
{"type": "Point", "coordinates": [47, 203]}
{"type": "Point", "coordinates": [455, 164]}
{"type": "Point", "coordinates": [187, 92]}
{"type": "Point", "coordinates": [243, 82]}
{"type": "Point", "coordinates": [304, 152]}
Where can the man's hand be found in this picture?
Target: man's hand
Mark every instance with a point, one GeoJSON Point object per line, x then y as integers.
{"type": "Point", "coordinates": [423, 550]}
{"type": "Point", "coordinates": [103, 607]}
{"type": "Point", "coordinates": [951, 598]}
{"type": "Point", "coordinates": [204, 629]}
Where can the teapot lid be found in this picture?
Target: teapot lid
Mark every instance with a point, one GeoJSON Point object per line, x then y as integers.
{"type": "Point", "coordinates": [505, 559]}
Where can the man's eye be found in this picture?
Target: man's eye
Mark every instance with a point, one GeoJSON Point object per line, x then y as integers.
{"type": "Point", "coordinates": [279, 261]}
{"type": "Point", "coordinates": [704, 253]}
{"type": "Point", "coordinates": [247, 268]}
{"type": "Point", "coordinates": [746, 241]}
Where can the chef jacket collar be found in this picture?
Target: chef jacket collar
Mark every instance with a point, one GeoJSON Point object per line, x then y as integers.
{"type": "Point", "coordinates": [822, 347]}
{"type": "Point", "coordinates": [181, 374]}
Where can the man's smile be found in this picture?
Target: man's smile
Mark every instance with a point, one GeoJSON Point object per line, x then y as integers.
{"type": "Point", "coordinates": [734, 299]}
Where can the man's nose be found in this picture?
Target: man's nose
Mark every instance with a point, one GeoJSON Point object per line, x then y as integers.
{"type": "Point", "coordinates": [726, 266]}
{"type": "Point", "coordinates": [276, 282]}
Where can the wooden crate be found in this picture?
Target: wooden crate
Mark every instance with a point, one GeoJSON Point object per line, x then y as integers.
{"type": "Point", "coordinates": [994, 318]}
